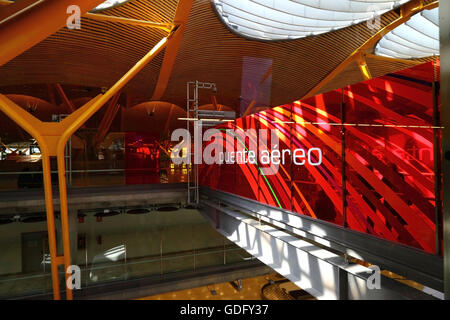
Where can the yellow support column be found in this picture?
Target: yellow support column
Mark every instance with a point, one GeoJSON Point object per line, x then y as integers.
{"type": "Point", "coordinates": [362, 64]}
{"type": "Point", "coordinates": [50, 222]}
{"type": "Point", "coordinates": [64, 217]}
{"type": "Point", "coordinates": [52, 138]}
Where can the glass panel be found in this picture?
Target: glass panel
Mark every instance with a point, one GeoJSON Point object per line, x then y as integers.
{"type": "Point", "coordinates": [106, 246]}
{"type": "Point", "coordinates": [390, 135]}
{"type": "Point", "coordinates": [247, 174]}
{"type": "Point", "coordinates": [390, 157]}
{"type": "Point", "coordinates": [97, 154]}
{"type": "Point", "coordinates": [275, 157]}
{"type": "Point", "coordinates": [225, 174]}
{"type": "Point", "coordinates": [317, 187]}
{"type": "Point", "coordinates": [25, 261]}
{"type": "Point", "coordinates": [237, 255]}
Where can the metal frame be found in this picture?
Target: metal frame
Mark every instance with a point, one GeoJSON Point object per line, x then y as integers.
{"type": "Point", "coordinates": [180, 20]}
{"type": "Point", "coordinates": [409, 262]}
{"type": "Point", "coordinates": [321, 272]}
{"type": "Point", "coordinates": [192, 89]}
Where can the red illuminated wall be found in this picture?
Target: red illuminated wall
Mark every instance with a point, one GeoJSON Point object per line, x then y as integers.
{"type": "Point", "coordinates": [386, 126]}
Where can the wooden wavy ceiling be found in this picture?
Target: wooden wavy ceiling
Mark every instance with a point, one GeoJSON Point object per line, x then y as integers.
{"type": "Point", "coordinates": [98, 54]}
{"type": "Point", "coordinates": [101, 52]}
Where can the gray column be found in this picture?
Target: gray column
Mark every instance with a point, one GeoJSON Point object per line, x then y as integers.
{"type": "Point", "coordinates": [444, 8]}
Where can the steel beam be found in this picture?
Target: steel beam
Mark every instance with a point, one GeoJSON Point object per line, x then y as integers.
{"type": "Point", "coordinates": [181, 17]}
{"type": "Point", "coordinates": [64, 98]}
{"type": "Point", "coordinates": [409, 262]}
{"type": "Point", "coordinates": [107, 120]}
{"type": "Point", "coordinates": [323, 273]}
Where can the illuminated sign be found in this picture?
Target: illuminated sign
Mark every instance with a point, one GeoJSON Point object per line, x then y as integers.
{"type": "Point", "coordinates": [228, 146]}
{"type": "Point", "coordinates": [373, 142]}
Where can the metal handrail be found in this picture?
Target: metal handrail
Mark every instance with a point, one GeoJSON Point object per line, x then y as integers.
{"type": "Point", "coordinates": [90, 267]}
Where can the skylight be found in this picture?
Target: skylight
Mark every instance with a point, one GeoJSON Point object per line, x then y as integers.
{"type": "Point", "coordinates": [294, 19]}
{"type": "Point", "coordinates": [416, 38]}
{"type": "Point", "coordinates": [108, 4]}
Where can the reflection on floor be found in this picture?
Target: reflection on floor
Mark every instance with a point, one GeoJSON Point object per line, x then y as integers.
{"type": "Point", "coordinates": [251, 289]}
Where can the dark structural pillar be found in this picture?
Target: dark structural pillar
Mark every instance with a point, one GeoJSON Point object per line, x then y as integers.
{"type": "Point", "coordinates": [444, 11]}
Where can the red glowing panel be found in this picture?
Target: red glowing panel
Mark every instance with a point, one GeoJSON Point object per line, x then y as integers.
{"type": "Point", "coordinates": [385, 125]}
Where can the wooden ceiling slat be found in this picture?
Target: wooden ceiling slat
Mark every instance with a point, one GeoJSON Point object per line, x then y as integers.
{"type": "Point", "coordinates": [99, 53]}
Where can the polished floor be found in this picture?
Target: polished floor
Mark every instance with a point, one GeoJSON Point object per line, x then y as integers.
{"type": "Point", "coordinates": [251, 290]}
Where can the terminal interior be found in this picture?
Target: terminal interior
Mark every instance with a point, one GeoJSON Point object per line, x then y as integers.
{"type": "Point", "coordinates": [96, 180]}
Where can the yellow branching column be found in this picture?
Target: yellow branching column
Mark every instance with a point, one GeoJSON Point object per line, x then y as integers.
{"type": "Point", "coordinates": [52, 138]}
